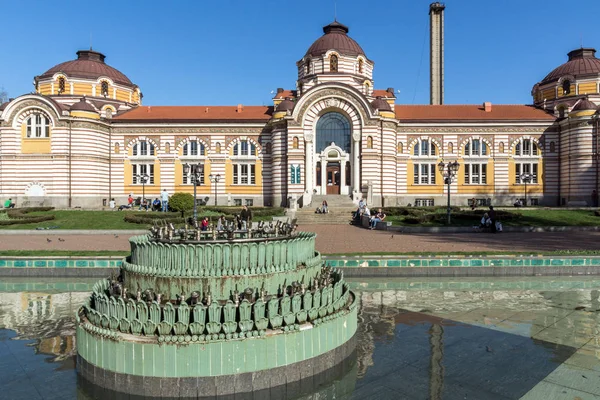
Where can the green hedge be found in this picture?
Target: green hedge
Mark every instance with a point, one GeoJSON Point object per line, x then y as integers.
{"type": "Point", "coordinates": [19, 216]}
{"type": "Point", "coordinates": [256, 211]}
{"type": "Point", "coordinates": [148, 218]}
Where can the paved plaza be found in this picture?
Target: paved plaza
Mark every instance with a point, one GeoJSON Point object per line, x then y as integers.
{"type": "Point", "coordinates": [345, 239]}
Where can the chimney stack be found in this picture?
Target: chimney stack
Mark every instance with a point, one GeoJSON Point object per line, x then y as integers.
{"type": "Point", "coordinates": [487, 106]}
{"type": "Point", "coordinates": [436, 52]}
{"type": "Point", "coordinates": [240, 108]}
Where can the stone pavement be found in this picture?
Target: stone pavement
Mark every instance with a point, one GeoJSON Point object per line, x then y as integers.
{"type": "Point", "coordinates": [345, 239]}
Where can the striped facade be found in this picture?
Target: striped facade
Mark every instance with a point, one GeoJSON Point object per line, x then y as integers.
{"type": "Point", "coordinates": [76, 147]}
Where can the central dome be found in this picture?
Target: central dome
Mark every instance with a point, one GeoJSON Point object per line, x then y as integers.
{"type": "Point", "coordinates": [88, 65]}
{"type": "Point", "coordinates": [335, 38]}
{"type": "Point", "coordinates": [581, 62]}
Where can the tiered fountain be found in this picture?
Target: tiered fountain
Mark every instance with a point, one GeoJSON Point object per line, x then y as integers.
{"type": "Point", "coordinates": [202, 313]}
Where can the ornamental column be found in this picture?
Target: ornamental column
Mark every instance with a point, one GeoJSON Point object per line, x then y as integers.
{"type": "Point", "coordinates": [356, 163]}
{"type": "Point", "coordinates": [308, 164]}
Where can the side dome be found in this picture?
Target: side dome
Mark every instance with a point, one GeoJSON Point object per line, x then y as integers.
{"type": "Point", "coordinates": [380, 104]}
{"type": "Point", "coordinates": [88, 65]}
{"type": "Point", "coordinates": [83, 105]}
{"type": "Point", "coordinates": [335, 38]}
{"type": "Point", "coordinates": [286, 105]}
{"type": "Point", "coordinates": [581, 62]}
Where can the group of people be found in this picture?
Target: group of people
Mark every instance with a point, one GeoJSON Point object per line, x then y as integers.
{"type": "Point", "coordinates": [363, 210]}
{"type": "Point", "coordinates": [324, 209]}
{"type": "Point", "coordinates": [157, 204]}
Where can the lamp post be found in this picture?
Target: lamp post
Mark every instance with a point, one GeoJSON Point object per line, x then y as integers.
{"type": "Point", "coordinates": [197, 170]}
{"type": "Point", "coordinates": [143, 178]}
{"type": "Point", "coordinates": [214, 179]}
{"type": "Point", "coordinates": [525, 178]}
{"type": "Point", "coordinates": [449, 172]}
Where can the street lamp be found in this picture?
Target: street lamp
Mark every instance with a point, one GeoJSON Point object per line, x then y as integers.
{"type": "Point", "coordinates": [197, 171]}
{"type": "Point", "coordinates": [215, 180]}
{"type": "Point", "coordinates": [525, 178]}
{"type": "Point", "coordinates": [449, 172]}
{"type": "Point", "coordinates": [143, 179]}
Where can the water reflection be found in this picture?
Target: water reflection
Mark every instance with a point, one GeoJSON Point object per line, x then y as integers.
{"type": "Point", "coordinates": [411, 342]}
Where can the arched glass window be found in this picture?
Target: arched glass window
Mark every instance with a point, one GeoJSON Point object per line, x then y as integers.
{"type": "Point", "coordinates": [268, 148]}
{"type": "Point", "coordinates": [104, 88]}
{"type": "Point", "coordinates": [552, 147]}
{"type": "Point", "coordinates": [476, 147]}
{"type": "Point", "coordinates": [308, 66]}
{"type": "Point", "coordinates": [194, 148]}
{"type": "Point", "coordinates": [143, 148]}
{"type": "Point", "coordinates": [400, 147]}
{"type": "Point", "coordinates": [566, 87]}
{"type": "Point", "coordinates": [424, 148]}
{"type": "Point", "coordinates": [360, 66]}
{"type": "Point", "coordinates": [218, 148]}
{"type": "Point", "coordinates": [38, 126]}
{"type": "Point", "coordinates": [244, 148]}
{"type": "Point", "coordinates": [450, 148]}
{"type": "Point", "coordinates": [61, 85]}
{"type": "Point", "coordinates": [333, 127]}
{"type": "Point", "coordinates": [333, 63]}
{"type": "Point", "coordinates": [369, 142]}
{"type": "Point", "coordinates": [295, 144]}
{"type": "Point", "coordinates": [501, 147]}
{"type": "Point", "coordinates": [117, 148]}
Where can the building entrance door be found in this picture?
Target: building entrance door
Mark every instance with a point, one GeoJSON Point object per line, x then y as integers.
{"type": "Point", "coordinates": [333, 178]}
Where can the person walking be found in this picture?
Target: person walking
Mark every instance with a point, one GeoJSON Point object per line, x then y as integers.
{"type": "Point", "coordinates": [164, 196]}
{"type": "Point", "coordinates": [246, 217]}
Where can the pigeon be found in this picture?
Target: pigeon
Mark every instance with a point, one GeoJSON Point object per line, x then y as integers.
{"type": "Point", "coordinates": [48, 240]}
{"type": "Point", "coordinates": [391, 237]}
{"type": "Point", "coordinates": [116, 236]}
{"type": "Point", "coordinates": [61, 240]}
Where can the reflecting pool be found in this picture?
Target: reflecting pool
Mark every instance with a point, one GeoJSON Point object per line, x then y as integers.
{"type": "Point", "coordinates": [461, 338]}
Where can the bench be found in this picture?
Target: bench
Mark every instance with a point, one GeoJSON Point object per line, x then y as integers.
{"type": "Point", "coordinates": [381, 225]}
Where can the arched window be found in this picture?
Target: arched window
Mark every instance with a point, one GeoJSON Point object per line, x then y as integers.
{"type": "Point", "coordinates": [450, 148]}
{"type": "Point", "coordinates": [501, 147]}
{"type": "Point", "coordinates": [104, 88]}
{"type": "Point", "coordinates": [566, 87]}
{"type": "Point", "coordinates": [117, 148]}
{"type": "Point", "coordinates": [194, 148]}
{"type": "Point", "coordinates": [424, 148]}
{"type": "Point", "coordinates": [366, 88]}
{"type": "Point", "coordinates": [38, 126]}
{"type": "Point", "coordinates": [168, 148]}
{"type": "Point", "coordinates": [143, 148]}
{"type": "Point", "coordinates": [244, 148]}
{"type": "Point", "coordinates": [295, 144]}
{"type": "Point", "coordinates": [308, 72]}
{"type": "Point", "coordinates": [476, 147]}
{"type": "Point", "coordinates": [526, 147]}
{"type": "Point", "coordinates": [61, 85]}
{"type": "Point", "coordinates": [562, 112]}
{"type": "Point", "coordinates": [333, 127]}
{"type": "Point", "coordinates": [109, 112]}
{"type": "Point", "coordinates": [360, 66]}
{"type": "Point", "coordinates": [218, 148]}
{"type": "Point", "coordinates": [369, 142]}
{"type": "Point", "coordinates": [400, 147]}
{"type": "Point", "coordinates": [552, 147]}
{"type": "Point", "coordinates": [333, 63]}
{"type": "Point", "coordinates": [268, 148]}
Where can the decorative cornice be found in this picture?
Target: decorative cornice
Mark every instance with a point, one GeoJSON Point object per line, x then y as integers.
{"type": "Point", "coordinates": [188, 131]}
{"type": "Point", "coordinates": [456, 130]}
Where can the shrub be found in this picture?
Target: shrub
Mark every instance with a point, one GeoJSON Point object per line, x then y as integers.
{"type": "Point", "coordinates": [150, 218]}
{"type": "Point", "coordinates": [19, 216]}
{"type": "Point", "coordinates": [181, 202]}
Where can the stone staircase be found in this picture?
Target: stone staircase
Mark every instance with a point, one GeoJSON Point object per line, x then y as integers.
{"type": "Point", "coordinates": [340, 211]}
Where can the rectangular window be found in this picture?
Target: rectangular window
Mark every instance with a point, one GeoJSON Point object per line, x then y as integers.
{"type": "Point", "coordinates": [237, 202]}
{"type": "Point", "coordinates": [295, 174]}
{"type": "Point", "coordinates": [475, 148]}
{"type": "Point", "coordinates": [424, 174]}
{"type": "Point", "coordinates": [526, 168]}
{"type": "Point", "coordinates": [189, 178]}
{"type": "Point", "coordinates": [526, 147]}
{"type": "Point", "coordinates": [424, 148]}
{"type": "Point", "coordinates": [244, 174]}
{"type": "Point", "coordinates": [424, 203]}
{"type": "Point", "coordinates": [142, 169]}
{"type": "Point", "coordinates": [475, 174]}
{"type": "Point", "coordinates": [517, 173]}
{"type": "Point", "coordinates": [249, 202]}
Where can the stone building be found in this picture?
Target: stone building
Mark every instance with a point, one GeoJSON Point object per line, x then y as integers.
{"type": "Point", "coordinates": [84, 137]}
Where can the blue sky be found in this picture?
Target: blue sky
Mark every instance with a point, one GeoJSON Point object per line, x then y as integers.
{"type": "Point", "coordinates": [237, 51]}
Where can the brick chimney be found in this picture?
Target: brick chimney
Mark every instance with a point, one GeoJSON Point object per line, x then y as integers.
{"type": "Point", "coordinates": [240, 108]}
{"type": "Point", "coordinates": [487, 106]}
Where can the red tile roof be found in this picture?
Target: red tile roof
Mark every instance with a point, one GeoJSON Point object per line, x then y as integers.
{"type": "Point", "coordinates": [285, 93]}
{"type": "Point", "coordinates": [502, 112]}
{"type": "Point", "coordinates": [196, 114]}
{"type": "Point", "coordinates": [382, 93]}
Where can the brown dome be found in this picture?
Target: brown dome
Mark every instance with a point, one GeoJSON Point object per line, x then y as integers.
{"type": "Point", "coordinates": [88, 65]}
{"type": "Point", "coordinates": [83, 105]}
{"type": "Point", "coordinates": [380, 104]}
{"type": "Point", "coordinates": [286, 105]}
{"type": "Point", "coordinates": [581, 62]}
{"type": "Point", "coordinates": [335, 38]}
{"type": "Point", "coordinates": [584, 104]}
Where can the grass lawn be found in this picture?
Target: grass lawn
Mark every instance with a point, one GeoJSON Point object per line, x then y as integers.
{"type": "Point", "coordinates": [107, 220]}
{"type": "Point", "coordinates": [523, 217]}
{"type": "Point", "coordinates": [62, 253]}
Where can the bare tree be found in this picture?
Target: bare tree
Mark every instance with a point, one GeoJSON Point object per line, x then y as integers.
{"type": "Point", "coordinates": [3, 95]}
